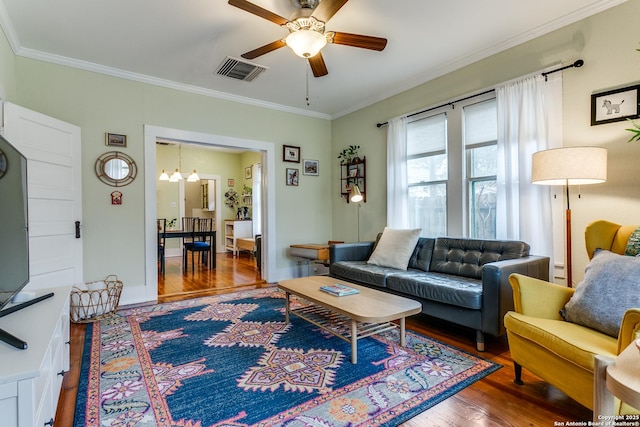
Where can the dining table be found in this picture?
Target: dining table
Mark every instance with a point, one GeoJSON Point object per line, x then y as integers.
{"type": "Point", "coordinates": [210, 235]}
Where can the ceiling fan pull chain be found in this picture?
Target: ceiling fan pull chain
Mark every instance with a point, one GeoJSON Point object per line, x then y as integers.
{"type": "Point", "coordinates": [307, 69]}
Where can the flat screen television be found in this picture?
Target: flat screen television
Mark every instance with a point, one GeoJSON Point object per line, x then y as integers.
{"type": "Point", "coordinates": [14, 235]}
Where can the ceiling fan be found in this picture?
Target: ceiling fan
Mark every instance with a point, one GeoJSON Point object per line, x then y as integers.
{"type": "Point", "coordinates": [307, 35]}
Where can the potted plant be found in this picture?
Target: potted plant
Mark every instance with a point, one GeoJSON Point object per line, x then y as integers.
{"type": "Point", "coordinates": [635, 130]}
{"type": "Point", "coordinates": [350, 154]}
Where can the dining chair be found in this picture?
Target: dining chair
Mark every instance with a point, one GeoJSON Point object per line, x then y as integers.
{"type": "Point", "coordinates": [189, 225]}
{"type": "Point", "coordinates": [258, 252]}
{"type": "Point", "coordinates": [162, 227]}
{"type": "Point", "coordinates": [194, 243]}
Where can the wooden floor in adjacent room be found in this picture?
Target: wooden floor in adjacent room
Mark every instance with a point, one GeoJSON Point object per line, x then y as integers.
{"type": "Point", "coordinates": [230, 274]}
{"type": "Point", "coordinates": [493, 401]}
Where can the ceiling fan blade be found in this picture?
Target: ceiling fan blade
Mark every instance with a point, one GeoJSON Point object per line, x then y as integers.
{"type": "Point", "coordinates": [327, 8]}
{"type": "Point", "coordinates": [264, 49]}
{"type": "Point", "coordinates": [257, 10]}
{"type": "Point", "coordinates": [318, 66]}
{"type": "Point", "coordinates": [358, 40]}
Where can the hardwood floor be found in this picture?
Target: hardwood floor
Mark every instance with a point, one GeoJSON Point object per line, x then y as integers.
{"type": "Point", "coordinates": [493, 401]}
{"type": "Point", "coordinates": [230, 274]}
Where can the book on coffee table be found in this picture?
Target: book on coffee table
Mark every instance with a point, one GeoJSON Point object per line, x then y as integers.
{"type": "Point", "coordinates": [338, 290]}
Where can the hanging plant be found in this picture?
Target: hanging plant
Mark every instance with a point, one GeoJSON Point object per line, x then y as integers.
{"type": "Point", "coordinates": [231, 199]}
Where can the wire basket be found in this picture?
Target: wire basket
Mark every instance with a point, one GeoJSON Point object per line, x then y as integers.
{"type": "Point", "coordinates": [98, 301]}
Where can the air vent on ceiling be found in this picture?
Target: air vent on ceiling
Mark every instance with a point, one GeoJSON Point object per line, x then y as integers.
{"type": "Point", "coordinates": [239, 69]}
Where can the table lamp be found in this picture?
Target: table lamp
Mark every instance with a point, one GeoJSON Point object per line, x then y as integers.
{"type": "Point", "coordinates": [569, 166]}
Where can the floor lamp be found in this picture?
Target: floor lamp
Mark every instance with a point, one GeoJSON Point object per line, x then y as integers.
{"type": "Point", "coordinates": [569, 166]}
{"type": "Point", "coordinates": [355, 196]}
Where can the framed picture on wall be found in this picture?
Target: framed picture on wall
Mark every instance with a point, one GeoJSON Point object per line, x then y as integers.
{"type": "Point", "coordinates": [310, 167]}
{"type": "Point", "coordinates": [293, 176]}
{"type": "Point", "coordinates": [247, 172]}
{"type": "Point", "coordinates": [115, 140]}
{"type": "Point", "coordinates": [230, 182]}
{"type": "Point", "coordinates": [615, 105]}
{"type": "Point", "coordinates": [290, 154]}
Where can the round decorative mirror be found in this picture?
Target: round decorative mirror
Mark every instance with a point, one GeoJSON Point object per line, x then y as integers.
{"type": "Point", "coordinates": [116, 169]}
{"type": "Point", "coordinates": [3, 164]}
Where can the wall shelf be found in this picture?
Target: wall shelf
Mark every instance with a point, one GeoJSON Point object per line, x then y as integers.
{"type": "Point", "coordinates": [353, 172]}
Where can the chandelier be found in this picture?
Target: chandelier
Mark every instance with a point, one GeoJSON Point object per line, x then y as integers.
{"type": "Point", "coordinates": [177, 175]}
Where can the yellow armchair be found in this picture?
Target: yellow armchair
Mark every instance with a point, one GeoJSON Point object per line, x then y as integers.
{"type": "Point", "coordinates": [560, 352]}
{"type": "Point", "coordinates": [607, 235]}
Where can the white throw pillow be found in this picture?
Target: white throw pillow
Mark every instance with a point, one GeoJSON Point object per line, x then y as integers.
{"type": "Point", "coordinates": [395, 247]}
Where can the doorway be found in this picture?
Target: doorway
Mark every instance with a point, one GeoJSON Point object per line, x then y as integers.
{"type": "Point", "coordinates": [267, 150]}
{"type": "Point", "coordinates": [189, 196]}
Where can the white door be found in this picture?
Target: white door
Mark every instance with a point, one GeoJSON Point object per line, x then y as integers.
{"type": "Point", "coordinates": [52, 149]}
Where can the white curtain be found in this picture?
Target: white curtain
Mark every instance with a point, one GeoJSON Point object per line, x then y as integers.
{"type": "Point", "coordinates": [528, 111]}
{"type": "Point", "coordinates": [397, 187]}
{"type": "Point", "coordinates": [256, 200]}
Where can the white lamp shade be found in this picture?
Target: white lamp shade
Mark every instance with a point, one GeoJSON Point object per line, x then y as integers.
{"type": "Point", "coordinates": [569, 166]}
{"type": "Point", "coordinates": [355, 195]}
{"type": "Point", "coordinates": [193, 177]}
{"type": "Point", "coordinates": [176, 176]}
{"type": "Point", "coordinates": [306, 43]}
{"type": "Point", "coordinates": [164, 176]}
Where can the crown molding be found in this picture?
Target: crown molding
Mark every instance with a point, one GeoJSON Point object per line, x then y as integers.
{"type": "Point", "coordinates": [8, 29]}
{"type": "Point", "coordinates": [461, 62]}
{"type": "Point", "coordinates": [18, 50]}
{"type": "Point", "coordinates": [143, 78]}
{"type": "Point", "coordinates": [454, 65]}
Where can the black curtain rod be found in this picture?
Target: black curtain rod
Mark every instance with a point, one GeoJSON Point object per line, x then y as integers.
{"type": "Point", "coordinates": [579, 63]}
{"type": "Point", "coordinates": [452, 103]}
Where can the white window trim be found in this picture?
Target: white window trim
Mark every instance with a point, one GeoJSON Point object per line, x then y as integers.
{"type": "Point", "coordinates": [457, 204]}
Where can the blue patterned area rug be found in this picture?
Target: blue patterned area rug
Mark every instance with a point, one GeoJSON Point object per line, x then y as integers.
{"type": "Point", "coordinates": [230, 360]}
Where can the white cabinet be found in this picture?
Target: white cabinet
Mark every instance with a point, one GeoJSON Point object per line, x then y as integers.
{"type": "Point", "coordinates": [209, 195]}
{"type": "Point", "coordinates": [234, 230]}
{"type": "Point", "coordinates": [30, 379]}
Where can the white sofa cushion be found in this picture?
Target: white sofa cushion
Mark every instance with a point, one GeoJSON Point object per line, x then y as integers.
{"type": "Point", "coordinates": [395, 247]}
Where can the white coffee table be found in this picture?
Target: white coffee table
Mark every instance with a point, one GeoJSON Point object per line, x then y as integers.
{"type": "Point", "coordinates": [365, 313]}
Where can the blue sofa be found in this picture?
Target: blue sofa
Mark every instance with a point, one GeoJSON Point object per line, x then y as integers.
{"type": "Point", "coordinates": [463, 281]}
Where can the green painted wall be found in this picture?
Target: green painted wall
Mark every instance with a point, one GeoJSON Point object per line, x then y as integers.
{"type": "Point", "coordinates": [606, 42]}
{"type": "Point", "coordinates": [114, 235]}
{"type": "Point", "coordinates": [314, 211]}
{"type": "Point", "coordinates": [227, 165]}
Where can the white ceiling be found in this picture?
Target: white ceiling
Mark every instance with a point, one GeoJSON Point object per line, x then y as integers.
{"type": "Point", "coordinates": [181, 43]}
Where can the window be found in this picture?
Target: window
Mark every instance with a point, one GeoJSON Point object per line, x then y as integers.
{"type": "Point", "coordinates": [427, 172]}
{"type": "Point", "coordinates": [480, 136]}
{"type": "Point", "coordinates": [451, 170]}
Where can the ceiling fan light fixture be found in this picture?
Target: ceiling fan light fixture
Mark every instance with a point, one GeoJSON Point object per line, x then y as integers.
{"type": "Point", "coordinates": [306, 43]}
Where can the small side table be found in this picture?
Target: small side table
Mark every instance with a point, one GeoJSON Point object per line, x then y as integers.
{"type": "Point", "coordinates": [310, 252]}
{"type": "Point", "coordinates": [619, 377]}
